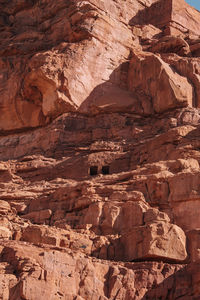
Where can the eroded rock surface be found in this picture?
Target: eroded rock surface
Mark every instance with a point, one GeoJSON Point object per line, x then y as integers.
{"type": "Point", "coordinates": [99, 150]}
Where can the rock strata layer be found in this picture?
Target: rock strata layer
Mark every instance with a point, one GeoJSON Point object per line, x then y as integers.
{"type": "Point", "coordinates": [99, 150]}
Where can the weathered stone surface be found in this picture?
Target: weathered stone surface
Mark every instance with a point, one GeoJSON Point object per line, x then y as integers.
{"type": "Point", "coordinates": [39, 217]}
{"type": "Point", "coordinates": [155, 240]}
{"type": "Point", "coordinates": [171, 44]}
{"type": "Point", "coordinates": [80, 277]}
{"type": "Point", "coordinates": [188, 68]}
{"type": "Point", "coordinates": [5, 233]}
{"type": "Point", "coordinates": [194, 244]}
{"type": "Point", "coordinates": [44, 86]}
{"type": "Point", "coordinates": [174, 17]}
{"type": "Point", "coordinates": [99, 150]}
{"type": "Point", "coordinates": [4, 207]}
{"type": "Point", "coordinates": [159, 88]}
{"type": "Point", "coordinates": [37, 60]}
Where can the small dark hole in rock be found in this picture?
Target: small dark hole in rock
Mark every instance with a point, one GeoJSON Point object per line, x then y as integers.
{"type": "Point", "coordinates": [105, 170]}
{"type": "Point", "coordinates": [93, 170]}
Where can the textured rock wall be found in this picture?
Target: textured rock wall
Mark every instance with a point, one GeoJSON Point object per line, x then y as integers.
{"type": "Point", "coordinates": [43, 42]}
{"type": "Point", "coordinates": [173, 17]}
{"type": "Point", "coordinates": [99, 150]}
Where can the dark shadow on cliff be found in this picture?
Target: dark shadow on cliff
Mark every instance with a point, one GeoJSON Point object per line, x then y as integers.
{"type": "Point", "coordinates": [158, 14]}
{"type": "Point", "coordinates": [140, 18]}
{"type": "Point", "coordinates": [113, 96]}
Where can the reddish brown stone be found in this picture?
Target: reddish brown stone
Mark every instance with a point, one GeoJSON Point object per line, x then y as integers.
{"type": "Point", "coordinates": [99, 150]}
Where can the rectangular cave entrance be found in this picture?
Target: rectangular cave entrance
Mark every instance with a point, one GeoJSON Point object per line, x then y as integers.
{"type": "Point", "coordinates": [93, 170]}
{"type": "Point", "coordinates": [105, 170]}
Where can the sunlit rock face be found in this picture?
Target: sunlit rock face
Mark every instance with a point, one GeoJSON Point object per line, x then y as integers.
{"type": "Point", "coordinates": [99, 150]}
{"type": "Point", "coordinates": [174, 17]}
{"type": "Point", "coordinates": [65, 57]}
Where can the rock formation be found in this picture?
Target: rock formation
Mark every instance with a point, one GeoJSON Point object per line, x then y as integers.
{"type": "Point", "coordinates": [99, 150]}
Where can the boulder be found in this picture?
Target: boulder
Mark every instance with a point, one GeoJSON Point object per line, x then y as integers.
{"type": "Point", "coordinates": [158, 240]}
{"type": "Point", "coordinates": [159, 88]}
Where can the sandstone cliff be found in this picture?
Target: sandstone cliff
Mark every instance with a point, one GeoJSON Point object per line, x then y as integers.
{"type": "Point", "coordinates": [99, 150]}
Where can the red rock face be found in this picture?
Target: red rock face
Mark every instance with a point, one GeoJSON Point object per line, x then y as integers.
{"type": "Point", "coordinates": [173, 17]}
{"type": "Point", "coordinates": [99, 150]}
